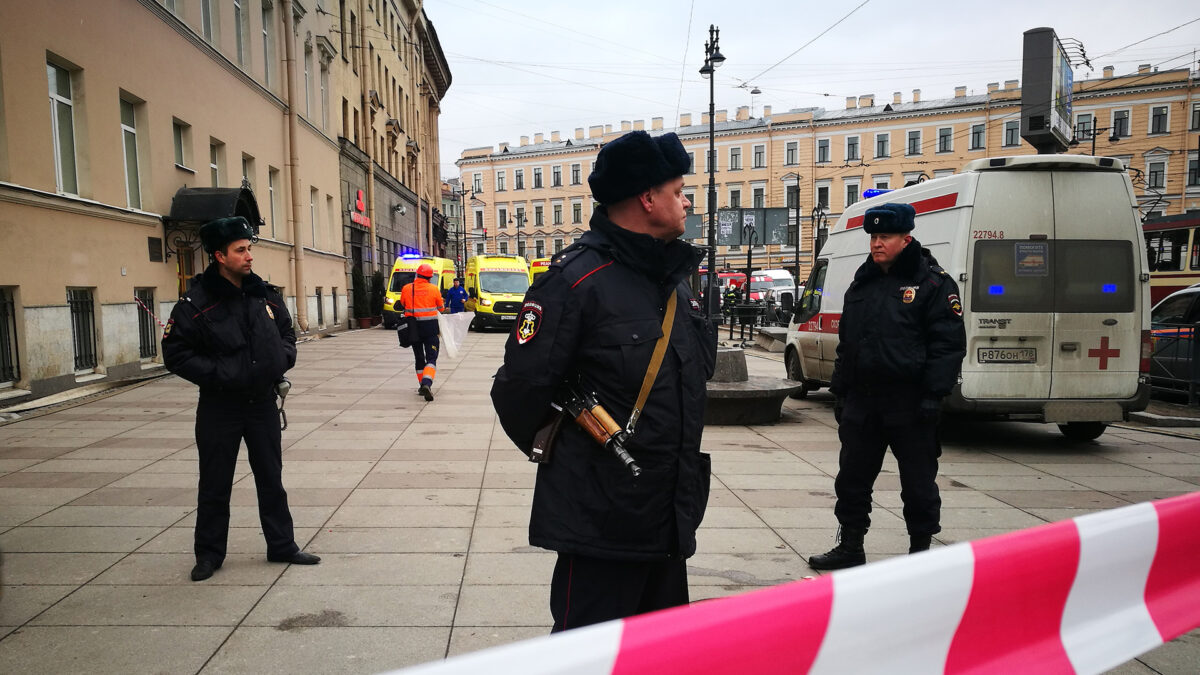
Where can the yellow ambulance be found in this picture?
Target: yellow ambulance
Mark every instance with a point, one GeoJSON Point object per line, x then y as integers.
{"type": "Point", "coordinates": [536, 267]}
{"type": "Point", "coordinates": [496, 286]}
{"type": "Point", "coordinates": [403, 272]}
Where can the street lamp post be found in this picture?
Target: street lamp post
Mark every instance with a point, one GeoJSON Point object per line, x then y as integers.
{"type": "Point", "coordinates": [712, 60]}
{"type": "Point", "coordinates": [820, 223]}
{"type": "Point", "coordinates": [794, 204]}
{"type": "Point", "coordinates": [460, 231]}
{"type": "Point", "coordinates": [520, 216]}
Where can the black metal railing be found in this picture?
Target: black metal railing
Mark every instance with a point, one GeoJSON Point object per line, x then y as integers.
{"type": "Point", "coordinates": [9, 369]}
{"type": "Point", "coordinates": [147, 335]}
{"type": "Point", "coordinates": [1175, 353]}
{"type": "Point", "coordinates": [83, 327]}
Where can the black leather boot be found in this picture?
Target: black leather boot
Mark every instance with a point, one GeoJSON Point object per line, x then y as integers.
{"type": "Point", "coordinates": [918, 542]}
{"type": "Point", "coordinates": [847, 553]}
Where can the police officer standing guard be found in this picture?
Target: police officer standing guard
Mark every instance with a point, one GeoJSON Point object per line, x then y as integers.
{"type": "Point", "coordinates": [900, 346]}
{"type": "Point", "coordinates": [231, 334]}
{"type": "Point", "coordinates": [592, 323]}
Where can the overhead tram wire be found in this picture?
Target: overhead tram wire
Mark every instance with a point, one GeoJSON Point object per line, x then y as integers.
{"type": "Point", "coordinates": [1169, 30]}
{"type": "Point", "coordinates": [683, 64]}
{"type": "Point", "coordinates": [835, 25]}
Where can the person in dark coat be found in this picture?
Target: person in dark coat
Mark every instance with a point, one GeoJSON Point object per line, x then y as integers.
{"type": "Point", "coordinates": [901, 344]}
{"type": "Point", "coordinates": [592, 321]}
{"type": "Point", "coordinates": [231, 334]}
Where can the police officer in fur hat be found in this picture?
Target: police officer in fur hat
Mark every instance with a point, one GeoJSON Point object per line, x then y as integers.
{"type": "Point", "coordinates": [231, 334]}
{"type": "Point", "coordinates": [592, 322]}
{"type": "Point", "coordinates": [901, 343]}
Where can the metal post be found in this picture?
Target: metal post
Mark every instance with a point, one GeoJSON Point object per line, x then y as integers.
{"type": "Point", "coordinates": [712, 59]}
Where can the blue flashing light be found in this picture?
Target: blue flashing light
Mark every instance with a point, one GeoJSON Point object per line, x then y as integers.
{"type": "Point", "coordinates": [996, 290]}
{"type": "Point", "coordinates": [411, 256]}
{"type": "Point", "coordinates": [873, 192]}
{"type": "Point", "coordinates": [1108, 288]}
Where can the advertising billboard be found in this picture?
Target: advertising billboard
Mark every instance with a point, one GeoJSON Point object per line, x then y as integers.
{"type": "Point", "coordinates": [1046, 85]}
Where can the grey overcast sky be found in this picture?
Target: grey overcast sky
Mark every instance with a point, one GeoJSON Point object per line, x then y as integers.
{"type": "Point", "coordinates": [523, 67]}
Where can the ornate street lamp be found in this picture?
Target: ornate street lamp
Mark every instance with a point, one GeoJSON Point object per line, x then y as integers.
{"type": "Point", "coordinates": [712, 60]}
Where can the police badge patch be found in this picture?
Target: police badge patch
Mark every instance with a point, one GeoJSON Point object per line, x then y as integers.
{"type": "Point", "coordinates": [910, 294]}
{"type": "Point", "coordinates": [695, 304]}
{"type": "Point", "coordinates": [955, 304]}
{"type": "Point", "coordinates": [530, 321]}
{"type": "Point", "coordinates": [167, 328]}
{"type": "Point", "coordinates": [269, 312]}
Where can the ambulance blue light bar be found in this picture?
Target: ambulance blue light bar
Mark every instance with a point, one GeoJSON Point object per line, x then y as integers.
{"type": "Point", "coordinates": [873, 192]}
{"type": "Point", "coordinates": [1108, 288]}
{"type": "Point", "coordinates": [996, 290]}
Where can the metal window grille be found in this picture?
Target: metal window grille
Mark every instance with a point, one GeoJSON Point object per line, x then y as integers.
{"type": "Point", "coordinates": [83, 327]}
{"type": "Point", "coordinates": [320, 309]}
{"type": "Point", "coordinates": [9, 370]}
{"type": "Point", "coordinates": [147, 335]}
{"type": "Point", "coordinates": [333, 296]}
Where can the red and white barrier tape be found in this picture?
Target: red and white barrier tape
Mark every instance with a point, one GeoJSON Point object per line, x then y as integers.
{"type": "Point", "coordinates": [1078, 596]}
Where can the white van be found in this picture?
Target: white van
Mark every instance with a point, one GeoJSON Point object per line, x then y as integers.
{"type": "Point", "coordinates": [783, 286]}
{"type": "Point", "coordinates": [1048, 255]}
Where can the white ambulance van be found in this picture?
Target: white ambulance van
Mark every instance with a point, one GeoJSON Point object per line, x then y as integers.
{"type": "Point", "coordinates": [1047, 251]}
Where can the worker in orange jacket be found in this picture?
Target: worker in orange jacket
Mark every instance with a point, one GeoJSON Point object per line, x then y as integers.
{"type": "Point", "coordinates": [422, 302]}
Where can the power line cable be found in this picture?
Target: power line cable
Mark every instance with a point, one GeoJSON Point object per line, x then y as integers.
{"type": "Point", "coordinates": [1186, 23]}
{"type": "Point", "coordinates": [835, 25]}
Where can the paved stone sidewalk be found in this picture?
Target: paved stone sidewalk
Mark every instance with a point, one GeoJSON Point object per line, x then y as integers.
{"type": "Point", "coordinates": [419, 512]}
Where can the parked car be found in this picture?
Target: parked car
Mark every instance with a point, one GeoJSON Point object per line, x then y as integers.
{"type": "Point", "coordinates": [1172, 334]}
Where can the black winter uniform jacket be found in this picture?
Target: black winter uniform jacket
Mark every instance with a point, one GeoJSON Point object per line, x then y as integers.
{"type": "Point", "coordinates": [901, 334]}
{"type": "Point", "coordinates": [595, 316]}
{"type": "Point", "coordinates": [229, 340]}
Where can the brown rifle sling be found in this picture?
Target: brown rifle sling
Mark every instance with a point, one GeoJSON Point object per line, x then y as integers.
{"type": "Point", "coordinates": [660, 350]}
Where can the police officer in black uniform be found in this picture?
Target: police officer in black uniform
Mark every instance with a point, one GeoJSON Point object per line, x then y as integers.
{"type": "Point", "coordinates": [901, 343]}
{"type": "Point", "coordinates": [592, 321]}
{"type": "Point", "coordinates": [231, 334]}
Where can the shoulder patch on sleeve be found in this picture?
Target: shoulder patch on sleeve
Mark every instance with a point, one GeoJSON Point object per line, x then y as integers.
{"type": "Point", "coordinates": [530, 320]}
{"type": "Point", "coordinates": [955, 304]}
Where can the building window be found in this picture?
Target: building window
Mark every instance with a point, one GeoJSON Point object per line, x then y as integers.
{"type": "Point", "coordinates": [519, 179]}
{"type": "Point", "coordinates": [790, 152]}
{"type": "Point", "coordinates": [133, 189]}
{"type": "Point", "coordinates": [538, 218]}
{"type": "Point", "coordinates": [504, 248]}
{"type": "Point", "coordinates": [735, 198]}
{"type": "Point", "coordinates": [62, 123]}
{"type": "Point", "coordinates": [1193, 178]}
{"type": "Point", "coordinates": [147, 335]}
{"type": "Point", "coordinates": [558, 214]}
{"type": "Point", "coordinates": [851, 194]}
{"type": "Point", "coordinates": [882, 141]}
{"type": "Point", "coordinates": [691, 163]}
{"type": "Point", "coordinates": [1083, 126]}
{"type": "Point", "coordinates": [1155, 174]}
{"type": "Point", "coordinates": [851, 148]}
{"type": "Point", "coordinates": [556, 176]}
{"type": "Point", "coordinates": [268, 21]}
{"type": "Point", "coordinates": [977, 136]}
{"type": "Point", "coordinates": [477, 182]}
{"type": "Point", "coordinates": [823, 197]}
{"type": "Point", "coordinates": [324, 94]}
{"type": "Point", "coordinates": [760, 156]}
{"type": "Point", "coordinates": [312, 214]}
{"type": "Point", "coordinates": [883, 183]}
{"type": "Point", "coordinates": [1120, 123]}
{"type": "Point", "coordinates": [83, 328]}
{"type": "Point", "coordinates": [914, 143]}
{"type": "Point", "coordinates": [502, 219]}
{"type": "Point", "coordinates": [215, 150]}
{"type": "Point", "coordinates": [1012, 133]}
{"type": "Point", "coordinates": [308, 58]}
{"type": "Point", "coordinates": [207, 20]}
{"type": "Point", "coordinates": [520, 217]}
{"type": "Point", "coordinates": [735, 159]}
{"type": "Point", "coordinates": [537, 177]}
{"type": "Point", "coordinates": [499, 181]}
{"type": "Point", "coordinates": [248, 170]}
{"type": "Point", "coordinates": [945, 139]}
{"type": "Point", "coordinates": [575, 173]}
{"type": "Point", "coordinates": [1195, 116]}
{"type": "Point", "coordinates": [239, 31]}
{"type": "Point", "coordinates": [713, 164]}
{"type": "Point", "coordinates": [759, 198]}
{"type": "Point", "coordinates": [320, 306]}
{"type": "Point", "coordinates": [273, 194]}
{"type": "Point", "coordinates": [691, 203]}
{"type": "Point", "coordinates": [822, 150]}
{"type": "Point", "coordinates": [539, 247]}
{"type": "Point", "coordinates": [480, 248]}
{"type": "Point", "coordinates": [577, 213]}
{"type": "Point", "coordinates": [182, 136]}
{"type": "Point", "coordinates": [558, 246]}
{"type": "Point", "coordinates": [1158, 119]}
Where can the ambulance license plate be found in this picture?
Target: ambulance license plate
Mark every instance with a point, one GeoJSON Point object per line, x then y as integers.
{"type": "Point", "coordinates": [507, 317]}
{"type": "Point", "coordinates": [1007, 355]}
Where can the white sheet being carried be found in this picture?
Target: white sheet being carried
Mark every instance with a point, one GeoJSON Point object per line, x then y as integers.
{"type": "Point", "coordinates": [453, 329]}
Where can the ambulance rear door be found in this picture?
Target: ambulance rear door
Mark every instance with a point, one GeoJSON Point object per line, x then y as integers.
{"type": "Point", "coordinates": [1098, 303]}
{"type": "Point", "coordinates": [1010, 294]}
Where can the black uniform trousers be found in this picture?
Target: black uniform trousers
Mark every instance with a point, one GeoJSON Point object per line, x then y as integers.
{"type": "Point", "coordinates": [869, 425]}
{"type": "Point", "coordinates": [425, 351]}
{"type": "Point", "coordinates": [586, 590]}
{"type": "Point", "coordinates": [221, 424]}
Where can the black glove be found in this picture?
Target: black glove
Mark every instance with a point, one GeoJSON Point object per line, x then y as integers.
{"type": "Point", "coordinates": [930, 410]}
{"type": "Point", "coordinates": [837, 409]}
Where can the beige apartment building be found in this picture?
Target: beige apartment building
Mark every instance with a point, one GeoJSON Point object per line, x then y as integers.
{"type": "Point", "coordinates": [117, 120]}
{"type": "Point", "coordinates": [816, 162]}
